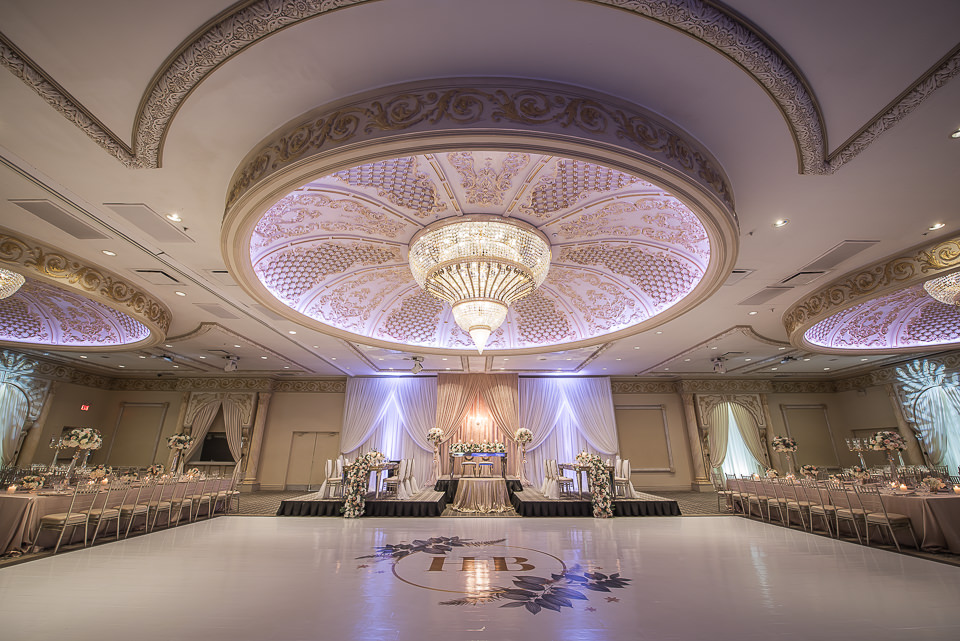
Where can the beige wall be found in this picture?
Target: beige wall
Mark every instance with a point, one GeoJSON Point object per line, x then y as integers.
{"type": "Point", "coordinates": [291, 412]}
{"type": "Point", "coordinates": [65, 412]}
{"type": "Point", "coordinates": [631, 447]}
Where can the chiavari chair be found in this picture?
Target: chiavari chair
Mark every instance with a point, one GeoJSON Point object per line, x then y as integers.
{"type": "Point", "coordinates": [775, 498]}
{"type": "Point", "coordinates": [795, 502]}
{"type": "Point", "coordinates": [200, 495]}
{"type": "Point", "coordinates": [847, 510]}
{"type": "Point", "coordinates": [757, 497]}
{"type": "Point", "coordinates": [105, 513]}
{"type": "Point", "coordinates": [72, 518]}
{"type": "Point", "coordinates": [820, 505]}
{"type": "Point", "coordinates": [130, 509]}
{"type": "Point", "coordinates": [737, 496]}
{"type": "Point", "coordinates": [877, 515]}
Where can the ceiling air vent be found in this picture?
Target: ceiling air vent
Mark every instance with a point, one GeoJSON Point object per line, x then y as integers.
{"type": "Point", "coordinates": [737, 275]}
{"type": "Point", "coordinates": [269, 313]}
{"type": "Point", "coordinates": [222, 277]}
{"type": "Point", "coordinates": [216, 310]}
{"type": "Point", "coordinates": [156, 277]}
{"type": "Point", "coordinates": [802, 278]}
{"type": "Point", "coordinates": [838, 254]}
{"type": "Point", "coordinates": [149, 221]}
{"type": "Point", "coordinates": [764, 295]}
{"type": "Point", "coordinates": [49, 212]}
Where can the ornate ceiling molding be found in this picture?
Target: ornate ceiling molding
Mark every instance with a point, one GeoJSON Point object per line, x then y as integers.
{"type": "Point", "coordinates": [488, 107]}
{"type": "Point", "coordinates": [44, 263]}
{"type": "Point", "coordinates": [643, 387]}
{"type": "Point", "coordinates": [248, 22]}
{"type": "Point", "coordinates": [894, 274]}
{"type": "Point", "coordinates": [244, 401]}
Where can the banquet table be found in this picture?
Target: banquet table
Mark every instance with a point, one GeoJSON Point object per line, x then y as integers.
{"type": "Point", "coordinates": [481, 495]}
{"type": "Point", "coordinates": [484, 459]}
{"type": "Point", "coordinates": [935, 517]}
{"type": "Point", "coordinates": [20, 515]}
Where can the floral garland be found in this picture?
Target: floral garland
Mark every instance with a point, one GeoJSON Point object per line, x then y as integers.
{"type": "Point", "coordinates": [155, 470]}
{"type": "Point", "coordinates": [809, 470]}
{"type": "Point", "coordinates": [859, 472]}
{"type": "Point", "coordinates": [100, 471]}
{"type": "Point", "coordinates": [523, 436]}
{"type": "Point", "coordinates": [357, 478]}
{"type": "Point", "coordinates": [601, 496]}
{"type": "Point", "coordinates": [477, 448]}
{"type": "Point", "coordinates": [31, 482]}
{"type": "Point", "coordinates": [783, 444]}
{"type": "Point", "coordinates": [86, 438]}
{"type": "Point", "coordinates": [932, 483]}
{"type": "Point", "coordinates": [179, 441]}
{"type": "Point", "coordinates": [886, 440]}
{"type": "Point", "coordinates": [435, 435]}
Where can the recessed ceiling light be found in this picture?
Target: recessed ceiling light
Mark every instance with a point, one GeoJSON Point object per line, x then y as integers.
{"type": "Point", "coordinates": [263, 358]}
{"type": "Point", "coordinates": [637, 347]}
{"type": "Point", "coordinates": [806, 359]}
{"type": "Point", "coordinates": [604, 369]}
{"type": "Point", "coordinates": [753, 313]}
{"type": "Point", "coordinates": [203, 357]}
{"type": "Point", "coordinates": [773, 369]}
{"type": "Point", "coordinates": [142, 356]}
{"type": "Point", "coordinates": [936, 226]}
{"type": "Point", "coordinates": [180, 293]}
{"type": "Point", "coordinates": [165, 345]}
{"type": "Point", "coordinates": [955, 134]}
{"type": "Point", "coordinates": [334, 358]}
{"type": "Point", "coordinates": [316, 347]}
{"type": "Point", "coordinates": [825, 368]}
{"type": "Point", "coordinates": [619, 359]}
{"type": "Point", "coordinates": [292, 331]}
{"type": "Point", "coordinates": [175, 217]}
{"type": "Point", "coordinates": [177, 366]}
{"type": "Point", "coordinates": [570, 359]}
{"type": "Point", "coordinates": [82, 356]}
{"type": "Point", "coordinates": [686, 360]}
{"type": "Point", "coordinates": [286, 367]}
{"type": "Point", "coordinates": [107, 252]}
{"type": "Point", "coordinates": [659, 332]}
{"type": "Point", "coordinates": [781, 222]}
{"type": "Point", "coordinates": [714, 347]}
{"type": "Point", "coordinates": [121, 365]}
{"type": "Point", "coordinates": [748, 359]}
{"type": "Point", "coordinates": [666, 369]}
{"type": "Point", "coordinates": [449, 368]}
{"type": "Point", "coordinates": [864, 359]}
{"type": "Point", "coordinates": [506, 359]}
{"type": "Point", "coordinates": [236, 346]}
{"type": "Point", "coordinates": [443, 359]}
{"type": "Point", "coordinates": [781, 348]}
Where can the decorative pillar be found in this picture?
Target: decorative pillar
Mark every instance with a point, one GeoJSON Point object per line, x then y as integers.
{"type": "Point", "coordinates": [701, 481]}
{"type": "Point", "coordinates": [763, 430]}
{"type": "Point", "coordinates": [915, 453]}
{"type": "Point", "coordinates": [250, 482]}
{"type": "Point", "coordinates": [29, 448]}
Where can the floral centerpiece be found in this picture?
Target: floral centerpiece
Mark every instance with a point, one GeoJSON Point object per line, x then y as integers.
{"type": "Point", "coordinates": [193, 472]}
{"type": "Point", "coordinates": [772, 473]}
{"type": "Point", "coordinates": [179, 441]}
{"type": "Point", "coordinates": [435, 435]}
{"type": "Point", "coordinates": [885, 440]}
{"type": "Point", "coordinates": [932, 483]}
{"type": "Point", "coordinates": [600, 491]}
{"type": "Point", "coordinates": [155, 470]}
{"type": "Point", "coordinates": [85, 438]}
{"type": "Point", "coordinates": [783, 444]}
{"type": "Point", "coordinates": [31, 482]}
{"type": "Point", "coordinates": [129, 477]}
{"type": "Point", "coordinates": [523, 436]}
{"type": "Point", "coordinates": [464, 448]}
{"type": "Point", "coordinates": [488, 446]}
{"type": "Point", "coordinates": [100, 471]}
{"type": "Point", "coordinates": [859, 472]}
{"type": "Point", "coordinates": [809, 470]}
{"type": "Point", "coordinates": [358, 477]}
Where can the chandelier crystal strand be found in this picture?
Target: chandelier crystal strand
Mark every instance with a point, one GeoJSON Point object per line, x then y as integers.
{"type": "Point", "coordinates": [10, 282]}
{"type": "Point", "coordinates": [945, 289]}
{"type": "Point", "coordinates": [480, 265]}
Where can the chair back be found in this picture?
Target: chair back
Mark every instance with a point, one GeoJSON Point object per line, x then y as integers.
{"type": "Point", "coordinates": [841, 497]}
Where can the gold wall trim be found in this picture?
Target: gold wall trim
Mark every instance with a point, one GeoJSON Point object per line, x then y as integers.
{"type": "Point", "coordinates": [913, 266]}
{"type": "Point", "coordinates": [37, 260]}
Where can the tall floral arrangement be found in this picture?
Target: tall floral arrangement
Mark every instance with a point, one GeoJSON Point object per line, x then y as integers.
{"type": "Point", "coordinates": [859, 472]}
{"type": "Point", "coordinates": [809, 470]}
{"type": "Point", "coordinates": [601, 494]}
{"type": "Point", "coordinates": [179, 441]}
{"type": "Point", "coordinates": [523, 436]}
{"type": "Point", "coordinates": [435, 435]}
{"type": "Point", "coordinates": [357, 478]}
{"type": "Point", "coordinates": [783, 444]}
{"type": "Point", "coordinates": [886, 440]}
{"type": "Point", "coordinates": [85, 438]}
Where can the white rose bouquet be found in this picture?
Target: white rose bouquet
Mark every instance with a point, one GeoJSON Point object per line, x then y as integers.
{"type": "Point", "coordinates": [933, 484]}
{"type": "Point", "coordinates": [31, 482]}
{"type": "Point", "coordinates": [100, 471]}
{"type": "Point", "coordinates": [859, 472]}
{"type": "Point", "coordinates": [179, 441]}
{"type": "Point", "coordinates": [783, 444]}
{"type": "Point", "coordinates": [809, 470]}
{"type": "Point", "coordinates": [886, 440]}
{"type": "Point", "coordinates": [523, 436]}
{"type": "Point", "coordinates": [435, 435]}
{"type": "Point", "coordinates": [85, 438]}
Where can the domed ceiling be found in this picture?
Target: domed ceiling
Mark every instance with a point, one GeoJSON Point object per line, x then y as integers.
{"type": "Point", "coordinates": [46, 315]}
{"type": "Point", "coordinates": [623, 249]}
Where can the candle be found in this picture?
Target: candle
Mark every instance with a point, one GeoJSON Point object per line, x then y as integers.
{"type": "Point", "coordinates": [893, 484]}
{"type": "Point", "coordinates": [956, 489]}
{"type": "Point", "coordinates": [104, 482]}
{"type": "Point", "coordinates": [903, 486]}
{"type": "Point", "coordinates": [12, 489]}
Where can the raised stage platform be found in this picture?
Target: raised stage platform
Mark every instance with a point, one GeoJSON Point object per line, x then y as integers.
{"type": "Point", "coordinates": [531, 503]}
{"type": "Point", "coordinates": [426, 503]}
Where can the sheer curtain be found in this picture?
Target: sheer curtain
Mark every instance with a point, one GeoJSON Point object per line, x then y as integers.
{"type": "Point", "coordinates": [364, 403]}
{"type": "Point", "coordinates": [938, 421]}
{"type": "Point", "coordinates": [591, 402]}
{"type": "Point", "coordinates": [417, 404]}
{"type": "Point", "coordinates": [749, 432]}
{"type": "Point", "coordinates": [231, 420]}
{"type": "Point", "coordinates": [13, 412]}
{"type": "Point", "coordinates": [201, 423]}
{"type": "Point", "coordinates": [738, 457]}
{"type": "Point", "coordinates": [541, 405]}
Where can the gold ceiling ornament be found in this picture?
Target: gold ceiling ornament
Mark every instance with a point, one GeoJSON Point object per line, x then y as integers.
{"type": "Point", "coordinates": [10, 282]}
{"type": "Point", "coordinates": [945, 289]}
{"type": "Point", "coordinates": [480, 264]}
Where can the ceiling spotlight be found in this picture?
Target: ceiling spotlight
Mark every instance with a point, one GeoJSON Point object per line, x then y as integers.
{"type": "Point", "coordinates": [781, 222]}
{"type": "Point", "coordinates": [175, 217]}
{"type": "Point", "coordinates": [231, 364]}
{"type": "Point", "coordinates": [292, 331]}
{"type": "Point", "coordinates": [417, 364]}
{"type": "Point", "coordinates": [753, 313]}
{"type": "Point", "coordinates": [107, 252]}
{"type": "Point", "coordinates": [179, 293]}
{"type": "Point", "coordinates": [936, 226]}
{"type": "Point", "coordinates": [718, 366]}
{"type": "Point", "coordinates": [955, 134]}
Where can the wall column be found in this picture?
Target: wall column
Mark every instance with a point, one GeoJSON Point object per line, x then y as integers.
{"type": "Point", "coordinates": [914, 453]}
{"type": "Point", "coordinates": [250, 482]}
{"type": "Point", "coordinates": [29, 448]}
{"type": "Point", "coordinates": [701, 482]}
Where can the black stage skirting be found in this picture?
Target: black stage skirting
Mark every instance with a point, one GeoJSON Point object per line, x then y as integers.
{"type": "Point", "coordinates": [585, 508]}
{"type": "Point", "coordinates": [449, 487]}
{"type": "Point", "coordinates": [295, 507]}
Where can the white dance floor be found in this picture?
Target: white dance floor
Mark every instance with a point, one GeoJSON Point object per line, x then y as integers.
{"type": "Point", "coordinates": [286, 579]}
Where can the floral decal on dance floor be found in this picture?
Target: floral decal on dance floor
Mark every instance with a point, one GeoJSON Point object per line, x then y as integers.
{"type": "Point", "coordinates": [565, 589]}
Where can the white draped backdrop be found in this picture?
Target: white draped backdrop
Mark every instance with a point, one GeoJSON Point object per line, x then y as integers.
{"type": "Point", "coordinates": [13, 411]}
{"type": "Point", "coordinates": [393, 415]}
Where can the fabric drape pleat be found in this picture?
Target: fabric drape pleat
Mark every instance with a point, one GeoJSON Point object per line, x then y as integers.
{"type": "Point", "coordinates": [201, 424]}
{"type": "Point", "coordinates": [231, 420]}
{"type": "Point", "coordinates": [591, 402]}
{"type": "Point", "coordinates": [13, 412]}
{"type": "Point", "coordinates": [718, 435]}
{"type": "Point", "coordinates": [455, 395]}
{"type": "Point", "coordinates": [365, 401]}
{"type": "Point", "coordinates": [500, 394]}
{"type": "Point", "coordinates": [750, 432]}
{"type": "Point", "coordinates": [938, 424]}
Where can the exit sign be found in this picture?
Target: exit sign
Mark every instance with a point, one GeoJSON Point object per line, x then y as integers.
{"type": "Point", "coordinates": [84, 407]}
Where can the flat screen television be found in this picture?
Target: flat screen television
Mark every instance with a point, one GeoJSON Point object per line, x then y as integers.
{"type": "Point", "coordinates": [215, 448]}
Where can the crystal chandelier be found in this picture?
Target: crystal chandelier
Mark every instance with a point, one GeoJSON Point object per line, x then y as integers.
{"type": "Point", "coordinates": [945, 289]}
{"type": "Point", "coordinates": [10, 282]}
{"type": "Point", "coordinates": [479, 264]}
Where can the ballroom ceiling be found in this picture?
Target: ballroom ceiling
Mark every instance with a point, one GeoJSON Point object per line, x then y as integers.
{"type": "Point", "coordinates": [110, 142]}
